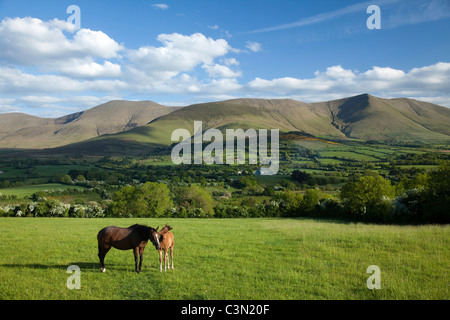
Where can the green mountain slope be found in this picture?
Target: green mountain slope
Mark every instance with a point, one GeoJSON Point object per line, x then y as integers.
{"type": "Point", "coordinates": [19, 130]}
{"type": "Point", "coordinates": [371, 118]}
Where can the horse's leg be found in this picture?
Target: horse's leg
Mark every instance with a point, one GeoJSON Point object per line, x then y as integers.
{"type": "Point", "coordinates": [160, 260]}
{"type": "Point", "coordinates": [136, 254]}
{"type": "Point", "coordinates": [141, 257]}
{"type": "Point", "coordinates": [102, 251]}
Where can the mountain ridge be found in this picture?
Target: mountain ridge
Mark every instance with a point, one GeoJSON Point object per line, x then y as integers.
{"type": "Point", "coordinates": [364, 117]}
{"type": "Point", "coordinates": [19, 130]}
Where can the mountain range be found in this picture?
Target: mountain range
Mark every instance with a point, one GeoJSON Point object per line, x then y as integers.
{"type": "Point", "coordinates": [129, 127]}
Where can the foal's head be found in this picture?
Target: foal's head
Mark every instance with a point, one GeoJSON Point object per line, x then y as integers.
{"type": "Point", "coordinates": [154, 238]}
{"type": "Point", "coordinates": [165, 229]}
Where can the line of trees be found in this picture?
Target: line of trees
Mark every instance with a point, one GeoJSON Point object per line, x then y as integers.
{"type": "Point", "coordinates": [424, 198]}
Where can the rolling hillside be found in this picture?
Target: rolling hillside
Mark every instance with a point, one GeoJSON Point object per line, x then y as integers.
{"type": "Point", "coordinates": [360, 117]}
{"type": "Point", "coordinates": [23, 131]}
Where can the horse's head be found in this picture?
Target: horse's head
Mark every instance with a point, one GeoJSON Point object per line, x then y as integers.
{"type": "Point", "coordinates": [154, 238]}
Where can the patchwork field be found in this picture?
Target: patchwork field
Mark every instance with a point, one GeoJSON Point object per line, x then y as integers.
{"type": "Point", "coordinates": [227, 259]}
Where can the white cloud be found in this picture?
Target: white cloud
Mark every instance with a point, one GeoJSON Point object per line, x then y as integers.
{"type": "Point", "coordinates": [254, 46]}
{"type": "Point", "coordinates": [384, 74]}
{"type": "Point", "coordinates": [179, 53]}
{"type": "Point", "coordinates": [13, 80]}
{"type": "Point", "coordinates": [220, 71]}
{"type": "Point", "coordinates": [337, 72]}
{"type": "Point", "coordinates": [86, 68]}
{"type": "Point", "coordinates": [161, 6]}
{"type": "Point", "coordinates": [429, 81]}
{"type": "Point", "coordinates": [45, 45]}
{"type": "Point", "coordinates": [231, 62]}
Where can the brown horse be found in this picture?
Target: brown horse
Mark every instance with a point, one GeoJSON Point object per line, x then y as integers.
{"type": "Point", "coordinates": [167, 242]}
{"type": "Point", "coordinates": [134, 237]}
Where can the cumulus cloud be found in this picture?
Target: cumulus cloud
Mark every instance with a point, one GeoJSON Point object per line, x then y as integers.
{"type": "Point", "coordinates": [429, 81]}
{"type": "Point", "coordinates": [337, 72]}
{"type": "Point", "coordinates": [13, 80]}
{"type": "Point", "coordinates": [57, 46]}
{"type": "Point", "coordinates": [220, 71]}
{"type": "Point", "coordinates": [179, 53]}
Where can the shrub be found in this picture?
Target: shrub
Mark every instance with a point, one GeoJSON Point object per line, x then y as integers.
{"type": "Point", "coordinates": [196, 213]}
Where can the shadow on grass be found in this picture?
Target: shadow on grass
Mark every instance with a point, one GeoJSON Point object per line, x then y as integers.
{"type": "Point", "coordinates": [84, 266]}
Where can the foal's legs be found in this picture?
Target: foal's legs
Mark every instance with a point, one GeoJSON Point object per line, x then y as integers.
{"type": "Point", "coordinates": [171, 255]}
{"type": "Point", "coordinates": [160, 260]}
{"type": "Point", "coordinates": [166, 259]}
{"type": "Point", "coordinates": [102, 251]}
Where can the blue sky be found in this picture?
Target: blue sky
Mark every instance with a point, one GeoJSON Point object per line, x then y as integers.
{"type": "Point", "coordinates": [184, 52]}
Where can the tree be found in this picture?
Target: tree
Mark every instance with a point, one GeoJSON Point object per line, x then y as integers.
{"type": "Point", "coordinates": [150, 200]}
{"type": "Point", "coordinates": [437, 197]}
{"type": "Point", "coordinates": [311, 200]}
{"type": "Point", "coordinates": [156, 198]}
{"type": "Point", "coordinates": [122, 204]}
{"type": "Point", "coordinates": [300, 176]}
{"type": "Point", "coordinates": [367, 195]}
{"type": "Point", "coordinates": [66, 179]}
{"type": "Point", "coordinates": [196, 197]}
{"type": "Point", "coordinates": [80, 178]}
{"type": "Point", "coordinates": [247, 181]}
{"type": "Point", "coordinates": [292, 201]}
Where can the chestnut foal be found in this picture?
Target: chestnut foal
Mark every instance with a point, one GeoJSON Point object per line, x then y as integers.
{"type": "Point", "coordinates": [166, 242]}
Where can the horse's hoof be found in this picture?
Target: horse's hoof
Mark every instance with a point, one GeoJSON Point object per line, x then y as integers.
{"type": "Point", "coordinates": [103, 269]}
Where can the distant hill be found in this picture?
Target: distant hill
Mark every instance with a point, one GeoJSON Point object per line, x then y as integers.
{"type": "Point", "coordinates": [22, 131]}
{"type": "Point", "coordinates": [362, 117]}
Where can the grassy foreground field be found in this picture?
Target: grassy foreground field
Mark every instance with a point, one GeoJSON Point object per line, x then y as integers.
{"type": "Point", "coordinates": [227, 259]}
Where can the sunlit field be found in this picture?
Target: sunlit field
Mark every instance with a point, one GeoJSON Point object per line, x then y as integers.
{"type": "Point", "coordinates": [227, 259]}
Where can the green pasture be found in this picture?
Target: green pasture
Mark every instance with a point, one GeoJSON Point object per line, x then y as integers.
{"type": "Point", "coordinates": [348, 155]}
{"type": "Point", "coordinates": [227, 259]}
{"type": "Point", "coordinates": [26, 191]}
{"type": "Point", "coordinates": [39, 171]}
